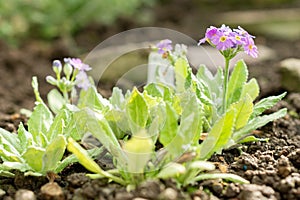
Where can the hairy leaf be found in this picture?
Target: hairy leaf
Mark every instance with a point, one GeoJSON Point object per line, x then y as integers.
{"type": "Point", "coordinates": [265, 104]}
{"type": "Point", "coordinates": [137, 111]}
{"type": "Point", "coordinates": [236, 82]}
{"type": "Point", "coordinates": [34, 158]}
{"type": "Point", "coordinates": [256, 123]}
{"type": "Point", "coordinates": [251, 88]}
{"type": "Point", "coordinates": [169, 129]}
{"type": "Point", "coordinates": [54, 153]}
{"type": "Point", "coordinates": [244, 108]}
{"type": "Point", "coordinates": [55, 100]}
{"type": "Point", "coordinates": [117, 98]}
{"type": "Point", "coordinates": [92, 99]}
{"type": "Point", "coordinates": [58, 125]}
{"type": "Point", "coordinates": [219, 135]}
{"type": "Point", "coordinates": [181, 72]}
{"type": "Point", "coordinates": [40, 121]}
{"type": "Point", "coordinates": [229, 177]}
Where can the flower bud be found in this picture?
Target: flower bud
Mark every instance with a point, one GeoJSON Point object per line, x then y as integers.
{"type": "Point", "coordinates": [68, 69]}
{"type": "Point", "coordinates": [51, 80]}
{"type": "Point", "coordinates": [57, 67]}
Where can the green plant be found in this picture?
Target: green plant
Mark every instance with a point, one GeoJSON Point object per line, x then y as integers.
{"type": "Point", "coordinates": [53, 18]}
{"type": "Point", "coordinates": [39, 149]}
{"type": "Point", "coordinates": [142, 121]}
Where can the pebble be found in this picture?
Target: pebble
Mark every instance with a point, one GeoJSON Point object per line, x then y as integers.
{"type": "Point", "coordinates": [52, 190]}
{"type": "Point", "coordinates": [231, 190]}
{"type": "Point", "coordinates": [2, 193]}
{"type": "Point", "coordinates": [290, 74]}
{"type": "Point", "coordinates": [169, 194]}
{"type": "Point", "coordinates": [23, 194]}
{"type": "Point", "coordinates": [217, 187]}
{"type": "Point", "coordinates": [254, 192]}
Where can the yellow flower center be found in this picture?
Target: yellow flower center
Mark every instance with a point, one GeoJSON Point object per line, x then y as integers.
{"type": "Point", "coordinates": [237, 37]}
{"type": "Point", "coordinates": [250, 46]}
{"type": "Point", "coordinates": [223, 39]}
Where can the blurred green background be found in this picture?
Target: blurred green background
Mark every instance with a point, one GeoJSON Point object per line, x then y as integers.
{"type": "Point", "coordinates": [52, 19]}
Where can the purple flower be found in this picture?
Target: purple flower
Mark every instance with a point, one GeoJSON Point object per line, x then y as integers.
{"type": "Point", "coordinates": [210, 35]}
{"type": "Point", "coordinates": [78, 64]}
{"type": "Point", "coordinates": [250, 48]}
{"type": "Point", "coordinates": [82, 80]}
{"type": "Point", "coordinates": [242, 32]}
{"type": "Point", "coordinates": [224, 38]}
{"type": "Point", "coordinates": [164, 46]}
{"type": "Point", "coordinates": [223, 41]}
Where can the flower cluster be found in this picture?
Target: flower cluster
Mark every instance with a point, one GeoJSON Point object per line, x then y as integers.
{"type": "Point", "coordinates": [224, 38]}
{"type": "Point", "coordinates": [164, 47]}
{"type": "Point", "coordinates": [82, 80]}
{"type": "Point", "coordinates": [75, 72]}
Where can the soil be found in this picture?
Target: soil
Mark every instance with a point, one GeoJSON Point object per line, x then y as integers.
{"type": "Point", "coordinates": [273, 168]}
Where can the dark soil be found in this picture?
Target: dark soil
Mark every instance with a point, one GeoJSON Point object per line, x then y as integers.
{"type": "Point", "coordinates": [273, 167]}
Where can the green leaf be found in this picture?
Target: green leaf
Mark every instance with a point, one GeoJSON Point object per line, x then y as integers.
{"type": "Point", "coordinates": [40, 121]}
{"type": "Point", "coordinates": [171, 170]}
{"type": "Point", "coordinates": [55, 100]}
{"type": "Point", "coordinates": [16, 165]}
{"type": "Point", "coordinates": [229, 177]}
{"type": "Point", "coordinates": [35, 86]}
{"type": "Point", "coordinates": [190, 125]}
{"type": "Point", "coordinates": [92, 99]}
{"type": "Point", "coordinates": [83, 157]}
{"type": "Point", "coordinates": [244, 108]}
{"type": "Point", "coordinates": [25, 138]}
{"type": "Point", "coordinates": [153, 90]}
{"type": "Point", "coordinates": [88, 162]}
{"type": "Point", "coordinates": [202, 165]}
{"type": "Point", "coordinates": [59, 123]}
{"type": "Point", "coordinates": [236, 82]}
{"type": "Point", "coordinates": [169, 129]}
{"type": "Point", "coordinates": [137, 111]}
{"type": "Point", "coordinates": [214, 83]}
{"type": "Point", "coordinates": [265, 104]}
{"type": "Point", "coordinates": [54, 153]}
{"type": "Point", "coordinates": [34, 158]}
{"type": "Point", "coordinates": [251, 138]}
{"type": "Point", "coordinates": [251, 88]}
{"type": "Point", "coordinates": [93, 153]}
{"type": "Point", "coordinates": [181, 72]}
{"type": "Point", "coordinates": [258, 122]}
{"type": "Point", "coordinates": [219, 135]}
{"type": "Point", "coordinates": [117, 98]}
{"type": "Point", "coordinates": [10, 141]}
{"type": "Point", "coordinates": [97, 125]}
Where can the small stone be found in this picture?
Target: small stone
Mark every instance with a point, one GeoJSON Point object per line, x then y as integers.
{"type": "Point", "coordinates": [23, 194]}
{"type": "Point", "coordinates": [217, 187]}
{"type": "Point", "coordinates": [253, 192]}
{"type": "Point", "coordinates": [52, 191]}
{"type": "Point", "coordinates": [125, 196]}
{"type": "Point", "coordinates": [290, 74]}
{"type": "Point", "coordinates": [169, 194]}
{"type": "Point", "coordinates": [231, 190]}
{"type": "Point", "coordinates": [2, 193]}
{"type": "Point", "coordinates": [284, 171]}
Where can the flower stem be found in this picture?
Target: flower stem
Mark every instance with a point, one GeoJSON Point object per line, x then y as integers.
{"type": "Point", "coordinates": [226, 77]}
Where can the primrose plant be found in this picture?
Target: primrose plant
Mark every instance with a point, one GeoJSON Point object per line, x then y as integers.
{"type": "Point", "coordinates": [38, 147]}
{"type": "Point", "coordinates": [227, 99]}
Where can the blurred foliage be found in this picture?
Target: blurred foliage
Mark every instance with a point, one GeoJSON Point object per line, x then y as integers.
{"type": "Point", "coordinates": [56, 18]}
{"type": "Point", "coordinates": [242, 5]}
